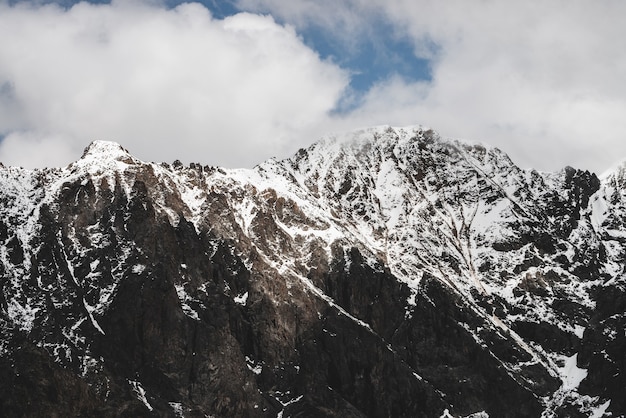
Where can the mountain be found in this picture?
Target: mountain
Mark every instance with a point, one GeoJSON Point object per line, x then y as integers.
{"type": "Point", "coordinates": [385, 273]}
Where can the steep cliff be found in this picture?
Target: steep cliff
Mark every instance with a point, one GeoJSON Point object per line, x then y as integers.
{"type": "Point", "coordinates": [386, 273]}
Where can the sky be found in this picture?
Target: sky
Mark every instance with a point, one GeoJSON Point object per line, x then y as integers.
{"type": "Point", "coordinates": [235, 82]}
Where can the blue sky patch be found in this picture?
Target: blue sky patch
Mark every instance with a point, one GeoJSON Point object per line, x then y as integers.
{"type": "Point", "coordinates": [375, 58]}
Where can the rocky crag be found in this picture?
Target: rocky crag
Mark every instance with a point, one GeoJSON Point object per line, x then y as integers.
{"type": "Point", "coordinates": [387, 273]}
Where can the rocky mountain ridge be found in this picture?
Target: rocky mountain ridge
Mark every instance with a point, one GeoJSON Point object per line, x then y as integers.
{"type": "Point", "coordinates": [390, 272]}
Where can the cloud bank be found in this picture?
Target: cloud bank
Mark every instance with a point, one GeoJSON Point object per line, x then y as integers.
{"type": "Point", "coordinates": [166, 83]}
{"type": "Point", "coordinates": [541, 80]}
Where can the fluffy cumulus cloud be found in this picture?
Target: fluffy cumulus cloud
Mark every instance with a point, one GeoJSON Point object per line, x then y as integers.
{"type": "Point", "coordinates": [541, 80]}
{"type": "Point", "coordinates": [166, 83]}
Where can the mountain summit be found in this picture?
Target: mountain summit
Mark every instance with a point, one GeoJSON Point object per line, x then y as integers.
{"type": "Point", "coordinates": [384, 273]}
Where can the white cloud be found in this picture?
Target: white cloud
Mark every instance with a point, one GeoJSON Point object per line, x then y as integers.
{"type": "Point", "coordinates": [36, 149]}
{"type": "Point", "coordinates": [541, 80]}
{"type": "Point", "coordinates": [166, 84]}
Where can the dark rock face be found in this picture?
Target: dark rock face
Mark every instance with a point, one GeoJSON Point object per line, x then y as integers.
{"type": "Point", "coordinates": [32, 384]}
{"type": "Point", "coordinates": [395, 274]}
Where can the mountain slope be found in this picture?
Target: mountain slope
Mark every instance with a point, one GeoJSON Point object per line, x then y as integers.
{"type": "Point", "coordinates": [390, 272]}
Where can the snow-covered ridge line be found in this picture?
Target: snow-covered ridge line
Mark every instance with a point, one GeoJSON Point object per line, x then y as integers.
{"type": "Point", "coordinates": [524, 249]}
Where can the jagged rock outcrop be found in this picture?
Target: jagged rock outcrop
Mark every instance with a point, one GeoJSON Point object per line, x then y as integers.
{"type": "Point", "coordinates": [389, 273]}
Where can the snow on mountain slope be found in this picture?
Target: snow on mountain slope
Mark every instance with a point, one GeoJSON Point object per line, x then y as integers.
{"type": "Point", "coordinates": [384, 227]}
{"type": "Point", "coordinates": [467, 215]}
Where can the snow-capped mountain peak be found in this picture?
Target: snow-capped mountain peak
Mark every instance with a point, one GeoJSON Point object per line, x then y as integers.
{"type": "Point", "coordinates": [105, 154]}
{"type": "Point", "coordinates": [384, 272]}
